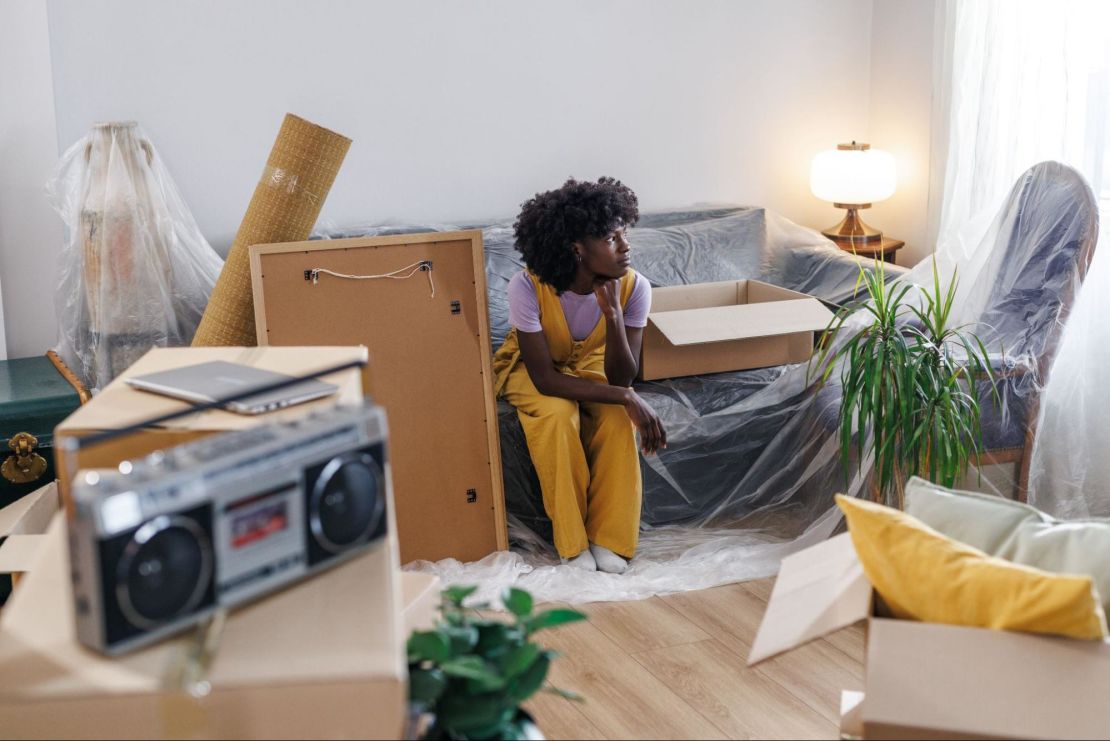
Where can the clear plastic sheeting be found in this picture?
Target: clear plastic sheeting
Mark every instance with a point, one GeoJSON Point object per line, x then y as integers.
{"type": "Point", "coordinates": [665, 563]}
{"type": "Point", "coordinates": [1070, 473]}
{"type": "Point", "coordinates": [753, 461]}
{"type": "Point", "coordinates": [135, 271]}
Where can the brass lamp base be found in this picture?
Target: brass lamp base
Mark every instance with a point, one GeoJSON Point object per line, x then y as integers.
{"type": "Point", "coordinates": [852, 230]}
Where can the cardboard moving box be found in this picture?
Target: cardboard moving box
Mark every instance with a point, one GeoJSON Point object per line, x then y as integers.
{"type": "Point", "coordinates": [324, 658]}
{"type": "Point", "coordinates": [734, 325]}
{"type": "Point", "coordinates": [925, 680]}
{"type": "Point", "coordinates": [119, 405]}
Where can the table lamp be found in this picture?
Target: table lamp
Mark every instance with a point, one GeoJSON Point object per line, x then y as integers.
{"type": "Point", "coordinates": [853, 176]}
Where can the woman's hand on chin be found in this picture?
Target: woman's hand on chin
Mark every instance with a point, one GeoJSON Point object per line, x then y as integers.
{"type": "Point", "coordinates": [608, 294]}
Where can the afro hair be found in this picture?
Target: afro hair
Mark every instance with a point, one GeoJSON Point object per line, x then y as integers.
{"type": "Point", "coordinates": [550, 223]}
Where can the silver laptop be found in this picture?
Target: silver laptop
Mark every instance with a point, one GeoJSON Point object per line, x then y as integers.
{"type": "Point", "coordinates": [218, 379]}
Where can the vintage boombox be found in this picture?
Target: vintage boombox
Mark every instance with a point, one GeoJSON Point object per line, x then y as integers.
{"type": "Point", "coordinates": [163, 542]}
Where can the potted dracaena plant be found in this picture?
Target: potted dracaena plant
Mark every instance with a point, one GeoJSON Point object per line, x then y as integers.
{"type": "Point", "coordinates": [469, 676]}
{"type": "Point", "coordinates": [910, 382]}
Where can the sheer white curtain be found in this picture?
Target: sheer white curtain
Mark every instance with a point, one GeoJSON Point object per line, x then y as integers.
{"type": "Point", "coordinates": [1030, 81]}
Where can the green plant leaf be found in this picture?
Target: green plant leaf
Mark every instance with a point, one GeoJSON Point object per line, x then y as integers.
{"type": "Point", "coordinates": [508, 726]}
{"type": "Point", "coordinates": [517, 601]}
{"type": "Point", "coordinates": [429, 645]}
{"type": "Point", "coordinates": [520, 659]}
{"type": "Point", "coordinates": [489, 684]}
{"type": "Point", "coordinates": [470, 667]}
{"type": "Point", "coordinates": [463, 637]}
{"type": "Point", "coordinates": [552, 619]}
{"type": "Point", "coordinates": [474, 716]}
{"type": "Point", "coordinates": [565, 694]}
{"type": "Point", "coordinates": [456, 594]}
{"type": "Point", "coordinates": [426, 685]}
{"type": "Point", "coordinates": [496, 638]}
{"type": "Point", "coordinates": [528, 683]}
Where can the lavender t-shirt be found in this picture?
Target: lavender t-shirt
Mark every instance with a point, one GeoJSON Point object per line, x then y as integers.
{"type": "Point", "coordinates": [582, 312]}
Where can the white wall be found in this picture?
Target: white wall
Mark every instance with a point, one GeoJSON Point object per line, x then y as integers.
{"type": "Point", "coordinates": [901, 108]}
{"type": "Point", "coordinates": [463, 110]}
{"type": "Point", "coordinates": [30, 233]}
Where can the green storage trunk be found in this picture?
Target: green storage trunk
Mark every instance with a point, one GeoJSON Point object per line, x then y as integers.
{"type": "Point", "coordinates": [35, 395]}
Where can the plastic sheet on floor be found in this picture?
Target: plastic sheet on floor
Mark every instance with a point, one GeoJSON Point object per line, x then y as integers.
{"type": "Point", "coordinates": [669, 560]}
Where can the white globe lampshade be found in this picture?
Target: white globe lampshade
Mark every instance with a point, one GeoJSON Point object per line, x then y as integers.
{"type": "Point", "coordinates": [853, 176]}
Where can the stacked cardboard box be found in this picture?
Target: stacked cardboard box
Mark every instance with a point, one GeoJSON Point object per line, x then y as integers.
{"type": "Point", "coordinates": [324, 658]}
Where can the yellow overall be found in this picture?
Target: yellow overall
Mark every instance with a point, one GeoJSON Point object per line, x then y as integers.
{"type": "Point", "coordinates": [585, 453]}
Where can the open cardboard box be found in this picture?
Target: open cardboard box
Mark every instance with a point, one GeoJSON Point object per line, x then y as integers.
{"type": "Point", "coordinates": [733, 325]}
{"type": "Point", "coordinates": [925, 680]}
{"type": "Point", "coordinates": [118, 405]}
{"type": "Point", "coordinates": [324, 658]}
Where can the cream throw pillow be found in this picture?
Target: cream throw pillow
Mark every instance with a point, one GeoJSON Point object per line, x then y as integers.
{"type": "Point", "coordinates": [1016, 532]}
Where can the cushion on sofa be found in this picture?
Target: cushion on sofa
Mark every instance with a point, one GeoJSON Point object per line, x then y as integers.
{"type": "Point", "coordinates": [923, 575]}
{"type": "Point", "coordinates": [1016, 532]}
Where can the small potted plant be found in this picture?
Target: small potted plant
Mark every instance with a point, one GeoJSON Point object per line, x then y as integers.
{"type": "Point", "coordinates": [910, 385]}
{"type": "Point", "coordinates": [470, 675]}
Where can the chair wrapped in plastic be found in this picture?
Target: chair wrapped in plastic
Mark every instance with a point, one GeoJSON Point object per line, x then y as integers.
{"type": "Point", "coordinates": [1017, 294]}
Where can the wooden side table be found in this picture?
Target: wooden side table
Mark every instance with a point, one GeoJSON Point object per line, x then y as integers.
{"type": "Point", "coordinates": [885, 250]}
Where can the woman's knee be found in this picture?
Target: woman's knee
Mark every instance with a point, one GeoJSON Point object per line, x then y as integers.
{"type": "Point", "coordinates": [610, 418]}
{"type": "Point", "coordinates": [554, 411]}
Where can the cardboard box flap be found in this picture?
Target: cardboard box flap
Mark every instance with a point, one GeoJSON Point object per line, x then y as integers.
{"type": "Point", "coordinates": [851, 714]}
{"type": "Point", "coordinates": [119, 405]}
{"type": "Point", "coordinates": [743, 321]}
{"type": "Point", "coordinates": [18, 553]}
{"type": "Point", "coordinates": [31, 514]}
{"type": "Point", "coordinates": [420, 597]}
{"type": "Point", "coordinates": [818, 591]}
{"type": "Point", "coordinates": [921, 676]}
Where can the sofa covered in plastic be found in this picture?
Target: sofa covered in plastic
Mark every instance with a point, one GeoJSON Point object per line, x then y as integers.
{"type": "Point", "coordinates": [714, 439]}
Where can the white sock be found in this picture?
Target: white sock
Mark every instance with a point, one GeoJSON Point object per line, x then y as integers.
{"type": "Point", "coordinates": [584, 561]}
{"type": "Point", "coordinates": [607, 560]}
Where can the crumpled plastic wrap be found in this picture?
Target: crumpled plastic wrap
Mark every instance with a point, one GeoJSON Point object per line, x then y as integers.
{"type": "Point", "coordinates": [135, 271]}
{"type": "Point", "coordinates": [752, 461]}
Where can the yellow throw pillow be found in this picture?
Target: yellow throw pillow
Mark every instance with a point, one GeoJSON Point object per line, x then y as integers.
{"type": "Point", "coordinates": [923, 575]}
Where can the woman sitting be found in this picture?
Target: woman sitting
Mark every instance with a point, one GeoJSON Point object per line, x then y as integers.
{"type": "Point", "coordinates": [577, 316]}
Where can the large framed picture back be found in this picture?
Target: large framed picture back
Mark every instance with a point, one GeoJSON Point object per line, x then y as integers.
{"type": "Point", "coordinates": [418, 303]}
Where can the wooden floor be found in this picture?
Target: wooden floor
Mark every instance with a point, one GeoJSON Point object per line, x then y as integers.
{"type": "Point", "coordinates": [675, 667]}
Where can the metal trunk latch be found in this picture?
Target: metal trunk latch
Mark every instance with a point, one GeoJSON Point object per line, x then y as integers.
{"type": "Point", "coordinates": [24, 465]}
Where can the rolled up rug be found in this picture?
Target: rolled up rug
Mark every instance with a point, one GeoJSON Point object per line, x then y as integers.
{"type": "Point", "coordinates": [299, 173]}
